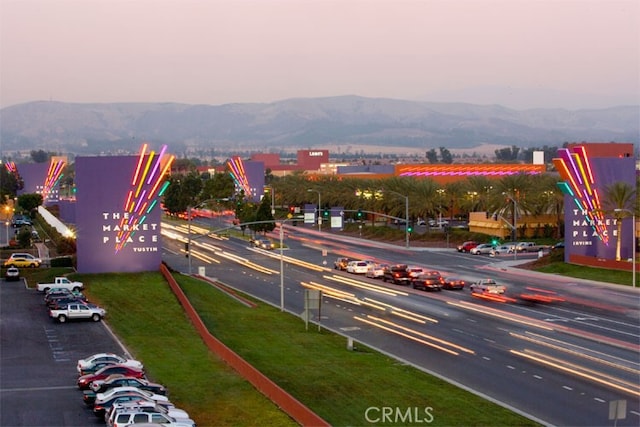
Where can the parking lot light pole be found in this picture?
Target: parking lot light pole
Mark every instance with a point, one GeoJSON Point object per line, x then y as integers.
{"type": "Point", "coordinates": [319, 207]}
{"type": "Point", "coordinates": [633, 244]}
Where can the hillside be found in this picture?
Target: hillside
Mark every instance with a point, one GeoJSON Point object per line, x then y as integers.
{"type": "Point", "coordinates": [303, 123]}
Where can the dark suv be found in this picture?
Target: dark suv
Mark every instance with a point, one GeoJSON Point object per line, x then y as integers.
{"type": "Point", "coordinates": [397, 274]}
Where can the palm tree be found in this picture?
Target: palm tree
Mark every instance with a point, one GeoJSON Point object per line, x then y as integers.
{"type": "Point", "coordinates": [619, 201]}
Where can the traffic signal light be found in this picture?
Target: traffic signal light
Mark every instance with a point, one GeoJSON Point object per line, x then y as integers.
{"type": "Point", "coordinates": [409, 228]}
{"type": "Point", "coordinates": [325, 213]}
{"type": "Point", "coordinates": [359, 214]}
{"type": "Point", "coordinates": [186, 249]}
{"type": "Point", "coordinates": [494, 242]}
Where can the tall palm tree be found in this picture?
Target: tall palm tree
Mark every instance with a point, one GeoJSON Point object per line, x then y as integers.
{"type": "Point", "coordinates": [619, 201]}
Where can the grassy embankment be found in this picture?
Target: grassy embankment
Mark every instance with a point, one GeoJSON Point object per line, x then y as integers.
{"type": "Point", "coordinates": [315, 367]}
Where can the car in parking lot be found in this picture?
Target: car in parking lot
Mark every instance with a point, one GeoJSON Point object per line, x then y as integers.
{"type": "Point", "coordinates": [502, 249]}
{"type": "Point", "coordinates": [146, 406]}
{"type": "Point", "coordinates": [127, 416]}
{"type": "Point", "coordinates": [100, 386]}
{"type": "Point", "coordinates": [103, 401]}
{"type": "Point", "coordinates": [452, 282]}
{"type": "Point", "coordinates": [84, 381]}
{"type": "Point", "coordinates": [428, 280]}
{"type": "Point", "coordinates": [21, 259]}
{"type": "Point", "coordinates": [357, 267]}
{"type": "Point", "coordinates": [483, 249]}
{"type": "Point", "coordinates": [12, 274]}
{"type": "Point", "coordinates": [87, 362]}
{"type": "Point", "coordinates": [467, 246]}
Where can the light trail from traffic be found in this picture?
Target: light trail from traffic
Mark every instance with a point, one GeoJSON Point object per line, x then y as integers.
{"type": "Point", "coordinates": [579, 371]}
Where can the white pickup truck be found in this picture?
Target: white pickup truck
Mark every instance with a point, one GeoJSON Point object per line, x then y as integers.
{"type": "Point", "coordinates": [78, 311]}
{"type": "Point", "coordinates": [61, 282]}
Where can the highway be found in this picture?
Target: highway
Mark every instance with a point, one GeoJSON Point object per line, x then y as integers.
{"type": "Point", "coordinates": [566, 361]}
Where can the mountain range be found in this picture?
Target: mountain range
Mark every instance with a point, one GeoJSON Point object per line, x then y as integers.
{"type": "Point", "coordinates": [302, 123]}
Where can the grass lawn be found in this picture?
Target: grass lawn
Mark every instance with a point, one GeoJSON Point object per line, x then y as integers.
{"type": "Point", "coordinates": [315, 367]}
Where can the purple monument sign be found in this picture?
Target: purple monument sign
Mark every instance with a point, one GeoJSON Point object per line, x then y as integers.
{"type": "Point", "coordinates": [118, 212]}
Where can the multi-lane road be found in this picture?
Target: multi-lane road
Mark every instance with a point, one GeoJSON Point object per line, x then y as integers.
{"type": "Point", "coordinates": [569, 361]}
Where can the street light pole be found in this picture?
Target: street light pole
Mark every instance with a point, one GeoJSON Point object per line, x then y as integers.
{"type": "Point", "coordinates": [514, 234]}
{"type": "Point", "coordinates": [633, 244]}
{"type": "Point", "coordinates": [189, 237]}
{"type": "Point", "coordinates": [319, 207]}
{"type": "Point", "coordinates": [406, 216]}
{"type": "Point", "coordinates": [281, 266]}
{"type": "Point", "coordinates": [273, 198]}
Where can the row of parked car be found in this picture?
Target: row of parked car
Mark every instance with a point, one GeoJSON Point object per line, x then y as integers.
{"type": "Point", "coordinates": [476, 248]}
{"type": "Point", "coordinates": [400, 274]}
{"type": "Point", "coordinates": [65, 304]}
{"type": "Point", "coordinates": [117, 390]}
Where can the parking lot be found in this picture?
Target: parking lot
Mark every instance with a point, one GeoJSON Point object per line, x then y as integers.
{"type": "Point", "coordinates": [38, 361]}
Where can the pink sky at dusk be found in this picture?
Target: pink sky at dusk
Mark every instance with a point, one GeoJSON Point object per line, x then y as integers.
{"type": "Point", "coordinates": [226, 51]}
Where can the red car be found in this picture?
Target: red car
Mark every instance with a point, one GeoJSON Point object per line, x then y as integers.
{"type": "Point", "coordinates": [467, 246]}
{"type": "Point", "coordinates": [84, 381]}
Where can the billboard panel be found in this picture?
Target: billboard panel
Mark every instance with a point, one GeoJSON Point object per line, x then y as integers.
{"type": "Point", "coordinates": [590, 227]}
{"type": "Point", "coordinates": [118, 212]}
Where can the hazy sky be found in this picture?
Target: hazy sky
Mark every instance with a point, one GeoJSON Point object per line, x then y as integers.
{"type": "Point", "coordinates": [224, 51]}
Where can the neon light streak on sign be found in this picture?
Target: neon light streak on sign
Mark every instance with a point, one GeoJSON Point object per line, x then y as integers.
{"type": "Point", "coordinates": [141, 199]}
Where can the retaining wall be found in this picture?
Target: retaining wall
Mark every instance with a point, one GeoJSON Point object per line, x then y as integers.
{"type": "Point", "coordinates": [271, 390]}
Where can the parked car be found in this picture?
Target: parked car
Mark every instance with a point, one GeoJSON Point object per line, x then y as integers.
{"type": "Point", "coordinates": [12, 274]}
{"type": "Point", "coordinates": [147, 406]}
{"type": "Point", "coordinates": [19, 259]}
{"type": "Point", "coordinates": [61, 302]}
{"type": "Point", "coordinates": [341, 263]}
{"type": "Point", "coordinates": [376, 271]}
{"type": "Point", "coordinates": [529, 247]}
{"type": "Point", "coordinates": [559, 245]}
{"type": "Point", "coordinates": [89, 361]}
{"type": "Point", "coordinates": [452, 282]}
{"type": "Point", "coordinates": [484, 248]}
{"type": "Point", "coordinates": [103, 401]}
{"type": "Point", "coordinates": [125, 417]}
{"type": "Point", "coordinates": [84, 381]}
{"type": "Point", "coordinates": [502, 249]}
{"type": "Point", "coordinates": [467, 246]}
{"type": "Point", "coordinates": [100, 386]}
{"type": "Point", "coordinates": [428, 280]}
{"type": "Point", "coordinates": [357, 267]}
{"type": "Point", "coordinates": [438, 223]}
{"type": "Point", "coordinates": [62, 293]}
